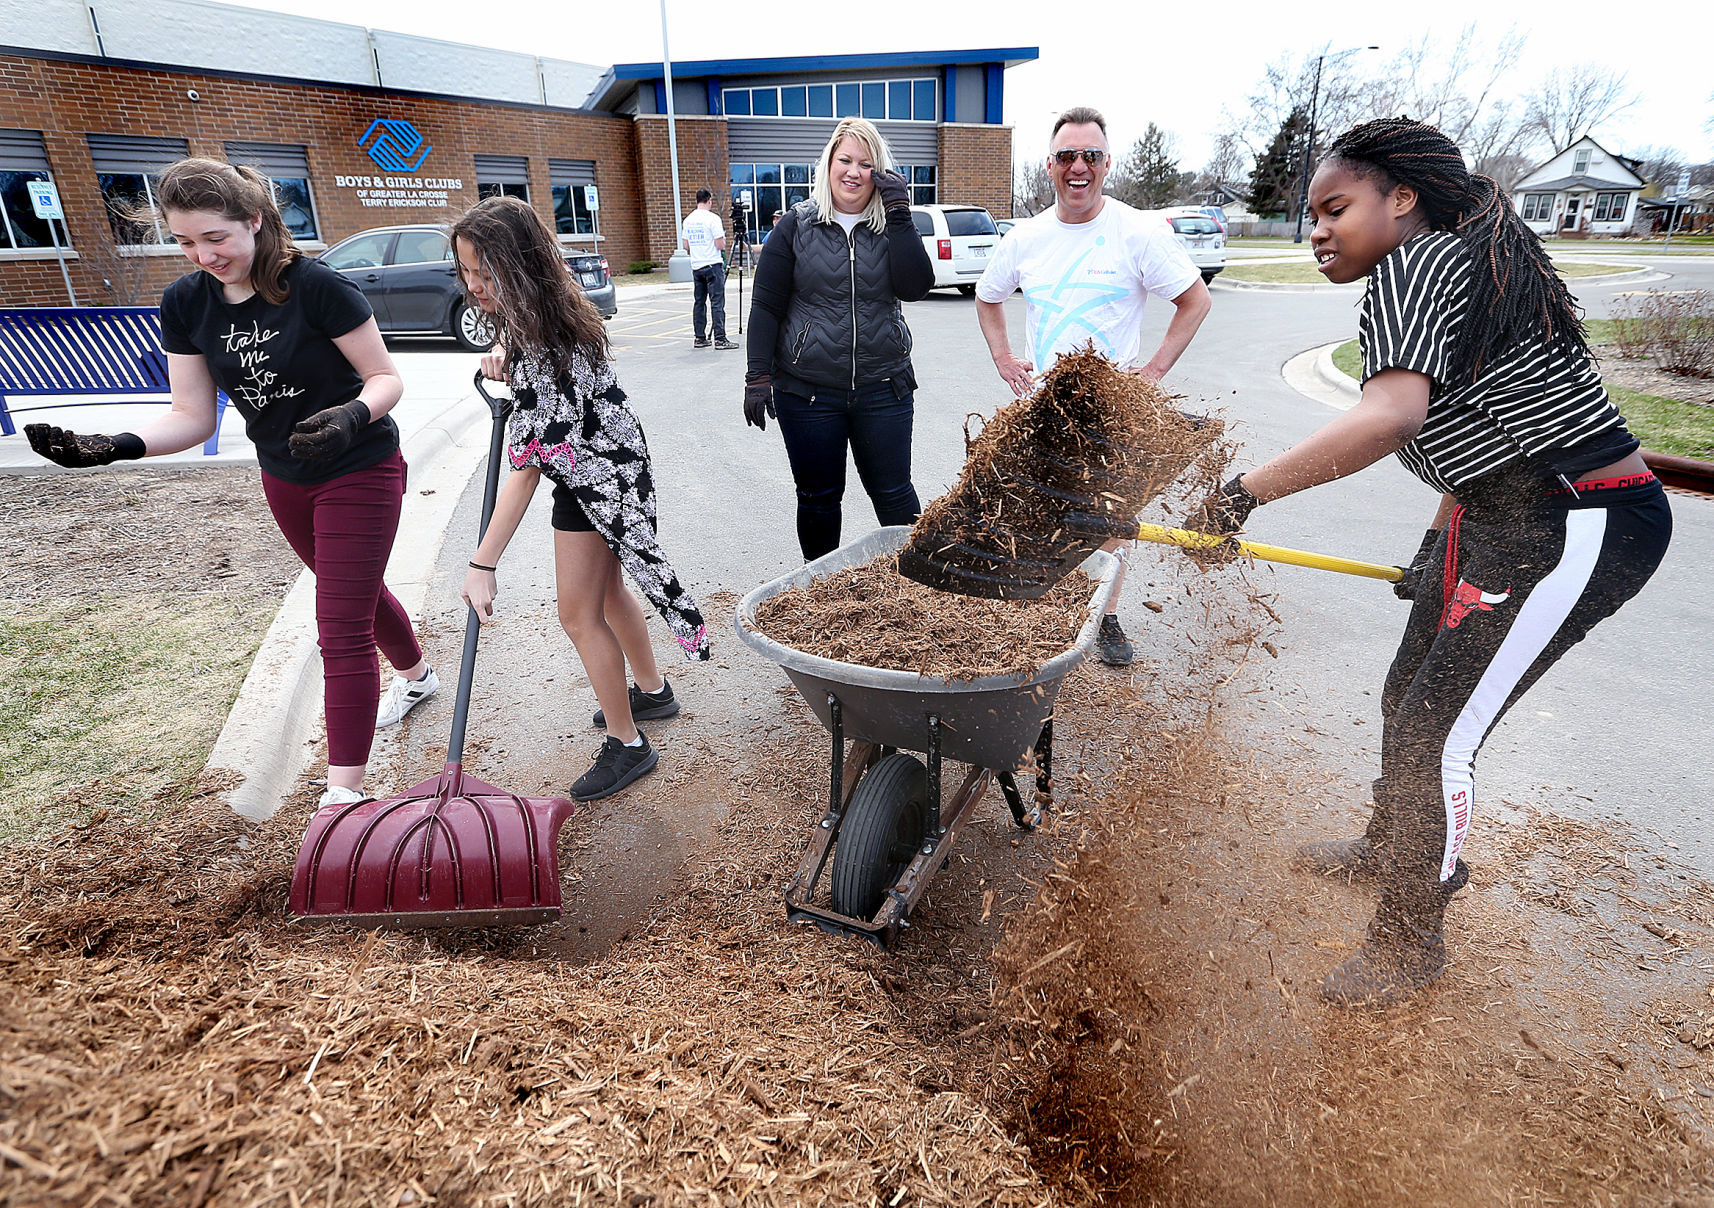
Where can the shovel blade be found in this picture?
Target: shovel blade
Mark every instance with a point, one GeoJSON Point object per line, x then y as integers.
{"type": "Point", "coordinates": [452, 851]}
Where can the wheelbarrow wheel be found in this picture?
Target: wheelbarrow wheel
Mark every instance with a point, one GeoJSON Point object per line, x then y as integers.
{"type": "Point", "coordinates": [883, 830]}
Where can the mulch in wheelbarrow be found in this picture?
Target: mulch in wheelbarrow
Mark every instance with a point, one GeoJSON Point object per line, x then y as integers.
{"type": "Point", "coordinates": [873, 616]}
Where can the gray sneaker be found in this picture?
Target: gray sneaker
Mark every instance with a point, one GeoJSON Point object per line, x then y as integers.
{"type": "Point", "coordinates": [1111, 644]}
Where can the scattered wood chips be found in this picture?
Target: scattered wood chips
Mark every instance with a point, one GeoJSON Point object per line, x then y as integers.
{"type": "Point", "coordinates": [873, 616]}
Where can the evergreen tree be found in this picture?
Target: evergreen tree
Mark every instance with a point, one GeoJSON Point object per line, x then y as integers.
{"type": "Point", "coordinates": [1147, 177]}
{"type": "Point", "coordinates": [1277, 178]}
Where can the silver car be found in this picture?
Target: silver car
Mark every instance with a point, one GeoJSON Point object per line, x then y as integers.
{"type": "Point", "coordinates": [411, 281]}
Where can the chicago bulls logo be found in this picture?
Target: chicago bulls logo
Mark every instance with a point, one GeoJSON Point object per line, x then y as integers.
{"type": "Point", "coordinates": [1468, 598]}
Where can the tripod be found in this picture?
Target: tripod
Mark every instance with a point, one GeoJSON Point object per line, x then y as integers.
{"type": "Point", "coordinates": [739, 252]}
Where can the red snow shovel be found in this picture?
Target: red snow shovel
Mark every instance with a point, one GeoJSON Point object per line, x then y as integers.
{"type": "Point", "coordinates": [450, 852]}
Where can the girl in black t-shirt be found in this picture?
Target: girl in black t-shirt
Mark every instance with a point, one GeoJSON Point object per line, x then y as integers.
{"type": "Point", "coordinates": [295, 347]}
{"type": "Point", "coordinates": [1476, 372]}
{"type": "Point", "coordinates": [571, 424]}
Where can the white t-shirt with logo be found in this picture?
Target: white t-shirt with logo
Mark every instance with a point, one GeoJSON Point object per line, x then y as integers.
{"type": "Point", "coordinates": [701, 229]}
{"type": "Point", "coordinates": [1087, 280]}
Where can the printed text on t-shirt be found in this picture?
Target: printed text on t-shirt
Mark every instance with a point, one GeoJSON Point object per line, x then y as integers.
{"type": "Point", "coordinates": [261, 386]}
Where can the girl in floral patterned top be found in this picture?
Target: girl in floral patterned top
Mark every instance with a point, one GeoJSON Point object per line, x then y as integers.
{"type": "Point", "coordinates": [571, 424]}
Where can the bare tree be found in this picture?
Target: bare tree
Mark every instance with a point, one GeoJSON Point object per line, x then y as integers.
{"type": "Point", "coordinates": [1228, 165]}
{"type": "Point", "coordinates": [1572, 103]}
{"type": "Point", "coordinates": [1032, 187]}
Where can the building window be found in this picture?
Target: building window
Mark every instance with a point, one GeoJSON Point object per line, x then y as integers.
{"type": "Point", "coordinates": [922, 185]}
{"type": "Point", "coordinates": [23, 158]}
{"type": "Point", "coordinates": [772, 188]}
{"type": "Point", "coordinates": [1538, 207]}
{"type": "Point", "coordinates": [503, 176]}
{"type": "Point", "coordinates": [127, 169]}
{"type": "Point", "coordinates": [1582, 162]}
{"type": "Point", "coordinates": [571, 212]}
{"type": "Point", "coordinates": [1610, 207]}
{"type": "Point", "coordinates": [572, 180]}
{"type": "Point", "coordinates": [286, 166]}
{"type": "Point", "coordinates": [878, 100]}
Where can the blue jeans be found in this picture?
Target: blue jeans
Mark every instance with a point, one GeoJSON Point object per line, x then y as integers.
{"type": "Point", "coordinates": [710, 285]}
{"type": "Point", "coordinates": [875, 422]}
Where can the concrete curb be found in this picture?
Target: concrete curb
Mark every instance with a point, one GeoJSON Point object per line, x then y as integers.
{"type": "Point", "coordinates": [273, 727]}
{"type": "Point", "coordinates": [1333, 375]}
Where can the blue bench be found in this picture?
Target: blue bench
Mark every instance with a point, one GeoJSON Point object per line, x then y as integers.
{"type": "Point", "coordinates": [113, 351]}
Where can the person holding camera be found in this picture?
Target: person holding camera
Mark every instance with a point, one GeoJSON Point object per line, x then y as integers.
{"type": "Point", "coordinates": [829, 352]}
{"type": "Point", "coordinates": [705, 240]}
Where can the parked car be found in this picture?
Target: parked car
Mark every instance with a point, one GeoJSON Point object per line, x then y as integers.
{"type": "Point", "coordinates": [1202, 237]}
{"type": "Point", "coordinates": [959, 240]}
{"type": "Point", "coordinates": [1004, 225]}
{"type": "Point", "coordinates": [408, 275]}
{"type": "Point", "coordinates": [1218, 214]}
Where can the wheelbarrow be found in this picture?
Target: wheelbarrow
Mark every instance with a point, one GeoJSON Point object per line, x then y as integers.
{"type": "Point", "coordinates": [886, 831]}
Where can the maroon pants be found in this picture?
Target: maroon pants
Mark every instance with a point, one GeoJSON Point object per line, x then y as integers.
{"type": "Point", "coordinates": [343, 530]}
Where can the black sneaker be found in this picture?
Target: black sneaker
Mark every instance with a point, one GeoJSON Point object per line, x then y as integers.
{"type": "Point", "coordinates": [700, 342]}
{"type": "Point", "coordinates": [646, 706]}
{"type": "Point", "coordinates": [616, 765]}
{"type": "Point", "coordinates": [724, 344]}
{"type": "Point", "coordinates": [1111, 644]}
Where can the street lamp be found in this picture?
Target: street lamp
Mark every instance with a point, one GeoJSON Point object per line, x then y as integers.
{"type": "Point", "coordinates": [1309, 143]}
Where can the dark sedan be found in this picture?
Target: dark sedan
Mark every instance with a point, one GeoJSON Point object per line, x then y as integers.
{"type": "Point", "coordinates": [408, 275]}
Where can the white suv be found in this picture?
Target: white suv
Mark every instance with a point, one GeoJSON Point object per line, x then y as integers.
{"type": "Point", "coordinates": [959, 240]}
{"type": "Point", "coordinates": [1203, 238]}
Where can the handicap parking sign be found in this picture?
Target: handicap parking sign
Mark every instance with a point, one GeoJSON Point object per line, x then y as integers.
{"type": "Point", "coordinates": [44, 200]}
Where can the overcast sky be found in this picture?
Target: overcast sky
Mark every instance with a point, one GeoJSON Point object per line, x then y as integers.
{"type": "Point", "coordinates": [1174, 64]}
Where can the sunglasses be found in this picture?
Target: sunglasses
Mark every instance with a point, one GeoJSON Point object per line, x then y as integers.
{"type": "Point", "coordinates": [1093, 156]}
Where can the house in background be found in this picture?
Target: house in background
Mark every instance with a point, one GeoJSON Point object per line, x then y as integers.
{"type": "Point", "coordinates": [1229, 198]}
{"type": "Point", "coordinates": [1585, 190]}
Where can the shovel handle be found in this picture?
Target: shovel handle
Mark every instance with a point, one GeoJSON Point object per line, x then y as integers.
{"type": "Point", "coordinates": [1270, 553]}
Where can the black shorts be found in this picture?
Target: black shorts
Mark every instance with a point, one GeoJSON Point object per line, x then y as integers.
{"type": "Point", "coordinates": [568, 514]}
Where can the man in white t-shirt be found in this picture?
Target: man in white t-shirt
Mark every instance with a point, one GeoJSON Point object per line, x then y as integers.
{"type": "Point", "coordinates": [1087, 268]}
{"type": "Point", "coordinates": [705, 239]}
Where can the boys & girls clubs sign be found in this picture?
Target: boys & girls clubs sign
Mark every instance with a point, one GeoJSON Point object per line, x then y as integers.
{"type": "Point", "coordinates": [397, 148]}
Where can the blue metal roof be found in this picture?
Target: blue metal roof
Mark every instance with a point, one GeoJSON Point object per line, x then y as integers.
{"type": "Point", "coordinates": [1010, 56]}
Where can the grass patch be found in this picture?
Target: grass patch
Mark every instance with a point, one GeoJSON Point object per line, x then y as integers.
{"type": "Point", "coordinates": [1667, 425]}
{"type": "Point", "coordinates": [1664, 425]}
{"type": "Point", "coordinates": [114, 703]}
{"type": "Point", "coordinates": [1348, 359]}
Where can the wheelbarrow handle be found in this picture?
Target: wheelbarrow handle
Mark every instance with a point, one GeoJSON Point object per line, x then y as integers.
{"type": "Point", "coordinates": [1270, 553]}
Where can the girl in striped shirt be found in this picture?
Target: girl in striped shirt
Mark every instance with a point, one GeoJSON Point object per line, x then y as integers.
{"type": "Point", "coordinates": [1477, 374]}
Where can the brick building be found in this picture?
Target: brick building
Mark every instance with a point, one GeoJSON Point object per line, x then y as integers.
{"type": "Point", "coordinates": [362, 128]}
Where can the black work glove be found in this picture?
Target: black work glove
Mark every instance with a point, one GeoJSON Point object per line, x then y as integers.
{"type": "Point", "coordinates": [327, 434]}
{"type": "Point", "coordinates": [1224, 512]}
{"type": "Point", "coordinates": [895, 194]}
{"type": "Point", "coordinates": [759, 402]}
{"type": "Point", "coordinates": [76, 452]}
{"type": "Point", "coordinates": [1405, 588]}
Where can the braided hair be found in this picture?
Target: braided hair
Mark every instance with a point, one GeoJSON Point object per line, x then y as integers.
{"type": "Point", "coordinates": [1515, 290]}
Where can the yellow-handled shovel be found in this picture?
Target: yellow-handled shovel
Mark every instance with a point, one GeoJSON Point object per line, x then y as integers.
{"type": "Point", "coordinates": [1270, 553]}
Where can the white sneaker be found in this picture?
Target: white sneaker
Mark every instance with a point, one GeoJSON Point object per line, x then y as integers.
{"type": "Point", "coordinates": [403, 695]}
{"type": "Point", "coordinates": [335, 794]}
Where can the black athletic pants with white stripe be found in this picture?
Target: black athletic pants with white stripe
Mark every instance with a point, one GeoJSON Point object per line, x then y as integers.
{"type": "Point", "coordinates": [1519, 576]}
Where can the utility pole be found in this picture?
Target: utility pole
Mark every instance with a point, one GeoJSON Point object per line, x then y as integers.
{"type": "Point", "coordinates": [1309, 142]}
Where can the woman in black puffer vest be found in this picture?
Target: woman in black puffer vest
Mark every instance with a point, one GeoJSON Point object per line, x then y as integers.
{"type": "Point", "coordinates": [829, 352]}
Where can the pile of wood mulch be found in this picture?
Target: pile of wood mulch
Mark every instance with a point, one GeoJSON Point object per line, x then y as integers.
{"type": "Point", "coordinates": [169, 1037]}
{"type": "Point", "coordinates": [873, 616]}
